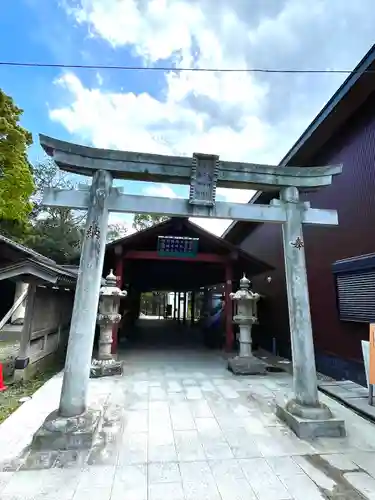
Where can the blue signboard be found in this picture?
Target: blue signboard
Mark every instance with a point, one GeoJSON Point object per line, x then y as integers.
{"type": "Point", "coordinates": [177, 246]}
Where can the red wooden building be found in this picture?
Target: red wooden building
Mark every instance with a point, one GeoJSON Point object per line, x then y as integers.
{"type": "Point", "coordinates": [143, 266]}
{"type": "Point", "coordinates": [340, 261]}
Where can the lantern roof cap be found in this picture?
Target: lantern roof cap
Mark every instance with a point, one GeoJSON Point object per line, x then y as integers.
{"type": "Point", "coordinates": [244, 282]}
{"type": "Point", "coordinates": [111, 279]}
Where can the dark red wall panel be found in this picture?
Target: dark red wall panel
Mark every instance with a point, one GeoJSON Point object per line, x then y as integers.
{"type": "Point", "coordinates": [353, 195]}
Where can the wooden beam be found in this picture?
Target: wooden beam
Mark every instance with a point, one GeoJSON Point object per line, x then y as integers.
{"type": "Point", "coordinates": [177, 169]}
{"type": "Point", "coordinates": [178, 207]}
{"type": "Point", "coordinates": [153, 255]}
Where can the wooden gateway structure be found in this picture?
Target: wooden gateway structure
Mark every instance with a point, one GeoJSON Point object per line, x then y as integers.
{"type": "Point", "coordinates": [203, 173]}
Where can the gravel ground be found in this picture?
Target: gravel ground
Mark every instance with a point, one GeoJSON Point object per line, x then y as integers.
{"type": "Point", "coordinates": [8, 353]}
{"type": "Point", "coordinates": [10, 398]}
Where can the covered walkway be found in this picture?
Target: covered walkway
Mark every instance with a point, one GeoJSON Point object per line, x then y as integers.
{"type": "Point", "coordinates": [154, 333]}
{"type": "Point", "coordinates": [179, 257]}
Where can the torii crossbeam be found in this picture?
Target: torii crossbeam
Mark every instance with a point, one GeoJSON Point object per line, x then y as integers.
{"type": "Point", "coordinates": [204, 173]}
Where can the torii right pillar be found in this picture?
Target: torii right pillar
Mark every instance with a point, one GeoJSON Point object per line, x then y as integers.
{"type": "Point", "coordinates": [304, 413]}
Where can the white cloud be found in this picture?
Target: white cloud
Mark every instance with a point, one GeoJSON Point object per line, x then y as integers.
{"type": "Point", "coordinates": [215, 226]}
{"type": "Point", "coordinates": [240, 116]}
{"type": "Point", "coordinates": [235, 195]}
{"type": "Point", "coordinates": [162, 190]}
{"type": "Point", "coordinates": [143, 123]}
{"type": "Point", "coordinates": [122, 220]}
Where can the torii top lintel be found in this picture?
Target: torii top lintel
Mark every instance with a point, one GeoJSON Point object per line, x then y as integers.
{"type": "Point", "coordinates": [178, 169]}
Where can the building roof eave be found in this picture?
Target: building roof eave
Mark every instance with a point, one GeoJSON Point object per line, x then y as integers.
{"type": "Point", "coordinates": [223, 245]}
{"type": "Point", "coordinates": [29, 269]}
{"type": "Point", "coordinates": [18, 247]}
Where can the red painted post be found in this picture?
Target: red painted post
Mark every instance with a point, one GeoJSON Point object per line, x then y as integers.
{"type": "Point", "coordinates": [119, 275]}
{"type": "Point", "coordinates": [2, 386]}
{"type": "Point", "coordinates": [229, 337]}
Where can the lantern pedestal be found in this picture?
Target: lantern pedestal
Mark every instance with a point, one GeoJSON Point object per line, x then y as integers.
{"type": "Point", "coordinates": [105, 364]}
{"type": "Point", "coordinates": [105, 368]}
{"type": "Point", "coordinates": [245, 363]}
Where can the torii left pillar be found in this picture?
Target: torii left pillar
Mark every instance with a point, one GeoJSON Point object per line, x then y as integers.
{"type": "Point", "coordinates": [73, 425]}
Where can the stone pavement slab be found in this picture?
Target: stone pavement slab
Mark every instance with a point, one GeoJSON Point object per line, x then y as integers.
{"type": "Point", "coordinates": [351, 394]}
{"type": "Point", "coordinates": [345, 389]}
{"type": "Point", "coordinates": [178, 425]}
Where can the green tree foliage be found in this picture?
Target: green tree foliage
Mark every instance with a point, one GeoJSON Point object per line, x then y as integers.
{"type": "Point", "coordinates": [116, 231]}
{"type": "Point", "coordinates": [15, 230]}
{"type": "Point", "coordinates": [144, 221]}
{"type": "Point", "coordinates": [47, 174]}
{"type": "Point", "coordinates": [57, 236]}
{"type": "Point", "coordinates": [56, 232]}
{"type": "Point", "coordinates": [16, 181]}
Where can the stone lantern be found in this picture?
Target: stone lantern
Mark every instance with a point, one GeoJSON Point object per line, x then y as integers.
{"type": "Point", "coordinates": [109, 301]}
{"type": "Point", "coordinates": [245, 363]}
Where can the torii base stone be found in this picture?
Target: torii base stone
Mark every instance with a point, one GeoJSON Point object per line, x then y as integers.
{"type": "Point", "coordinates": [310, 423]}
{"type": "Point", "coordinates": [105, 368]}
{"type": "Point", "coordinates": [67, 433]}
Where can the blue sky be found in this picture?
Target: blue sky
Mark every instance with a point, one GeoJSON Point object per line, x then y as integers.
{"type": "Point", "coordinates": [48, 35]}
{"type": "Point", "coordinates": [246, 117]}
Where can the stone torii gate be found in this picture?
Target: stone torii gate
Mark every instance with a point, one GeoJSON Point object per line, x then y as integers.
{"type": "Point", "coordinates": [304, 413]}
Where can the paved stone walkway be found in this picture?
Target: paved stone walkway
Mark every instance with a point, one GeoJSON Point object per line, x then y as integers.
{"type": "Point", "coordinates": [177, 425]}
